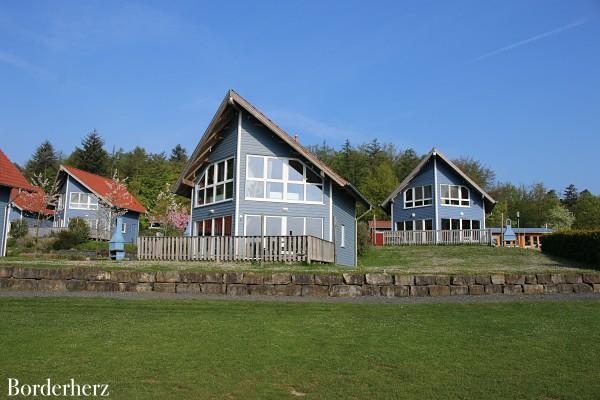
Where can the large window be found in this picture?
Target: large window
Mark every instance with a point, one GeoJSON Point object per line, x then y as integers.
{"type": "Point", "coordinates": [219, 226]}
{"type": "Point", "coordinates": [283, 226]}
{"type": "Point", "coordinates": [417, 196]}
{"type": "Point", "coordinates": [282, 179]}
{"type": "Point", "coordinates": [455, 195]}
{"type": "Point", "coordinates": [415, 225]}
{"type": "Point", "coordinates": [83, 201]}
{"type": "Point", "coordinates": [457, 224]}
{"type": "Point", "coordinates": [215, 183]}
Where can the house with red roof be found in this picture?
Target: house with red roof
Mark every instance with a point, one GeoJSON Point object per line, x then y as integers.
{"type": "Point", "coordinates": [32, 207]}
{"type": "Point", "coordinates": [94, 198]}
{"type": "Point", "coordinates": [10, 178]}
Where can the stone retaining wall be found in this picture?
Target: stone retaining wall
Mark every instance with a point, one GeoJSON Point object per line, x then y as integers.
{"type": "Point", "coordinates": [295, 284]}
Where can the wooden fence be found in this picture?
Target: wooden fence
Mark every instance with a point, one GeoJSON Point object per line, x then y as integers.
{"type": "Point", "coordinates": [439, 237]}
{"type": "Point", "coordinates": [236, 248]}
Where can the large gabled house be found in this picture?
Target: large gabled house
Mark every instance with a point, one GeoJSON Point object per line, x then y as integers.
{"type": "Point", "coordinates": [10, 178]}
{"type": "Point", "coordinates": [78, 196]}
{"type": "Point", "coordinates": [438, 196]}
{"type": "Point", "coordinates": [248, 177]}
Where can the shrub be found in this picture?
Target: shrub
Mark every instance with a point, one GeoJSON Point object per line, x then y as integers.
{"type": "Point", "coordinates": [582, 246]}
{"type": "Point", "coordinates": [80, 229]}
{"type": "Point", "coordinates": [65, 240]}
{"type": "Point", "coordinates": [362, 236]}
{"type": "Point", "coordinates": [19, 228]}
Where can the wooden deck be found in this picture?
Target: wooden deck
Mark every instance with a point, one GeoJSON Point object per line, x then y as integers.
{"type": "Point", "coordinates": [439, 237]}
{"type": "Point", "coordinates": [236, 248]}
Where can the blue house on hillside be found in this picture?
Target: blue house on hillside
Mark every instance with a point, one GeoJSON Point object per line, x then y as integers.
{"type": "Point", "coordinates": [81, 195]}
{"type": "Point", "coordinates": [436, 196]}
{"type": "Point", "coordinates": [248, 177]}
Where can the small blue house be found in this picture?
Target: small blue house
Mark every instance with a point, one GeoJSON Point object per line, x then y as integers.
{"type": "Point", "coordinates": [31, 207]}
{"type": "Point", "coordinates": [81, 194]}
{"type": "Point", "coordinates": [248, 177]}
{"type": "Point", "coordinates": [437, 195]}
{"type": "Point", "coordinates": [10, 178]}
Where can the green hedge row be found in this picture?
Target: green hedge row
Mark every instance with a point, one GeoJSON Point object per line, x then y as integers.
{"type": "Point", "coordinates": [577, 245]}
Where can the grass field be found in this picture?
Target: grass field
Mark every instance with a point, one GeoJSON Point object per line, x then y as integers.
{"type": "Point", "coordinates": [151, 349]}
{"type": "Point", "coordinates": [406, 259]}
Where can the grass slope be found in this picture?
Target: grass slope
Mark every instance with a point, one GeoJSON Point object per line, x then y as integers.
{"type": "Point", "coordinates": [198, 349]}
{"type": "Point", "coordinates": [405, 259]}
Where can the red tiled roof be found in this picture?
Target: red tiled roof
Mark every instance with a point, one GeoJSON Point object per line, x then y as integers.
{"type": "Point", "coordinates": [101, 187]}
{"type": "Point", "coordinates": [380, 224]}
{"type": "Point", "coordinates": [10, 175]}
{"type": "Point", "coordinates": [32, 202]}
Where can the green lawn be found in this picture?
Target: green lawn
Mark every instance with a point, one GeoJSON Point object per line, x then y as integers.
{"type": "Point", "coordinates": [461, 259]}
{"type": "Point", "coordinates": [152, 349]}
{"type": "Point", "coordinates": [406, 259]}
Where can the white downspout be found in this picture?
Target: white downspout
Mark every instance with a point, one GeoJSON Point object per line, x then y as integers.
{"type": "Point", "coordinates": [237, 173]}
{"type": "Point", "coordinates": [435, 196]}
{"type": "Point", "coordinates": [5, 229]}
{"type": "Point", "coordinates": [66, 204]}
{"type": "Point", "coordinates": [331, 227]}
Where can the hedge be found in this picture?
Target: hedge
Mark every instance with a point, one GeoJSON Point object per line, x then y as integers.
{"type": "Point", "coordinates": [582, 246]}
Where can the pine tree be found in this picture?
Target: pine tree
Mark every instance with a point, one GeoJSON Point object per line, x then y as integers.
{"type": "Point", "coordinates": [43, 162]}
{"type": "Point", "coordinates": [91, 157]}
{"type": "Point", "coordinates": [570, 196]}
{"type": "Point", "coordinates": [178, 154]}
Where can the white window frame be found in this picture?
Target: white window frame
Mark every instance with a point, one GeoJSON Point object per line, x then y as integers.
{"type": "Point", "coordinates": [284, 223]}
{"type": "Point", "coordinates": [215, 183]}
{"type": "Point", "coordinates": [450, 198]}
{"type": "Point", "coordinates": [89, 205]}
{"type": "Point", "coordinates": [414, 224]}
{"type": "Point", "coordinates": [124, 227]}
{"type": "Point", "coordinates": [284, 180]}
{"type": "Point", "coordinates": [199, 226]}
{"type": "Point", "coordinates": [460, 223]}
{"type": "Point", "coordinates": [343, 236]}
{"type": "Point", "coordinates": [413, 190]}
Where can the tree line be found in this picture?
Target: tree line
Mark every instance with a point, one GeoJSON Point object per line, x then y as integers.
{"type": "Point", "coordinates": [375, 168]}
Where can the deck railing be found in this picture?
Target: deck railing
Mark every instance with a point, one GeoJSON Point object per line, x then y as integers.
{"type": "Point", "coordinates": [236, 248]}
{"type": "Point", "coordinates": [439, 237]}
{"type": "Point", "coordinates": [47, 231]}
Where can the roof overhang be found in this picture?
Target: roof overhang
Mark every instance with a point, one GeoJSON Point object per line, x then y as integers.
{"type": "Point", "coordinates": [488, 200]}
{"type": "Point", "coordinates": [231, 104]}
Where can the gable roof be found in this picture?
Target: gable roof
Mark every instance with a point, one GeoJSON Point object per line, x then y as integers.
{"type": "Point", "coordinates": [100, 186]}
{"type": "Point", "coordinates": [10, 175]}
{"type": "Point", "coordinates": [435, 153]}
{"type": "Point", "coordinates": [34, 202]}
{"type": "Point", "coordinates": [233, 101]}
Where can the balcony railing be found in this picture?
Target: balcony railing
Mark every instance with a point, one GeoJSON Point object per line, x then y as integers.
{"type": "Point", "coordinates": [437, 237]}
{"type": "Point", "coordinates": [236, 248]}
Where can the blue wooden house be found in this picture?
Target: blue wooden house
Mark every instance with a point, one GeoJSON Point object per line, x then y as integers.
{"type": "Point", "coordinates": [81, 194]}
{"type": "Point", "coordinates": [248, 177]}
{"type": "Point", "coordinates": [10, 178]}
{"type": "Point", "coordinates": [438, 196]}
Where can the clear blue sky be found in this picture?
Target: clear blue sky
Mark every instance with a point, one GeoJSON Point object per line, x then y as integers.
{"type": "Point", "coordinates": [515, 84]}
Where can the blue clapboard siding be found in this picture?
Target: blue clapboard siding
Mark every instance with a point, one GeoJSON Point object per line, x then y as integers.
{"type": "Point", "coordinates": [258, 140]}
{"type": "Point", "coordinates": [30, 218]}
{"type": "Point", "coordinates": [225, 148]}
{"type": "Point", "coordinates": [344, 214]}
{"type": "Point", "coordinates": [447, 175]}
{"type": "Point", "coordinates": [4, 199]}
{"type": "Point", "coordinates": [425, 177]}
